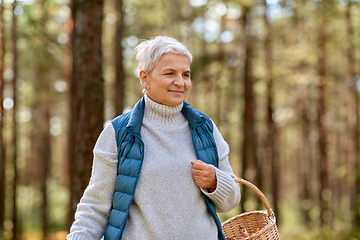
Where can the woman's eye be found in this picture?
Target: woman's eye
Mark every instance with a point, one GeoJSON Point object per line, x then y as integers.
{"type": "Point", "coordinates": [168, 73]}
{"type": "Point", "coordinates": [186, 75]}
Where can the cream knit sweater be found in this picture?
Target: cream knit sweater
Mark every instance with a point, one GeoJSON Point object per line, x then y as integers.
{"type": "Point", "coordinates": [167, 203]}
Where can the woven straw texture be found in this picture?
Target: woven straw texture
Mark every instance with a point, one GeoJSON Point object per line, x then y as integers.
{"type": "Point", "coordinates": [260, 225]}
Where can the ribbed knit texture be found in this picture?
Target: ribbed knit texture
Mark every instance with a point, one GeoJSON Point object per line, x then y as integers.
{"type": "Point", "coordinates": [167, 203]}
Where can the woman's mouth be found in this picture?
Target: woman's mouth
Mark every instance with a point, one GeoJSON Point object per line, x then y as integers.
{"type": "Point", "coordinates": [176, 92]}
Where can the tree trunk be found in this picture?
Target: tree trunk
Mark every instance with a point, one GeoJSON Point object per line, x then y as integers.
{"type": "Point", "coordinates": [270, 143]}
{"type": "Point", "coordinates": [325, 212]}
{"type": "Point", "coordinates": [249, 158]}
{"type": "Point", "coordinates": [44, 136]}
{"type": "Point", "coordinates": [2, 117]}
{"type": "Point", "coordinates": [355, 113]}
{"type": "Point", "coordinates": [87, 91]}
{"type": "Point", "coordinates": [120, 72]}
{"type": "Point", "coordinates": [305, 154]}
{"type": "Point", "coordinates": [71, 126]}
{"type": "Point", "coordinates": [217, 86]}
{"type": "Point", "coordinates": [304, 167]}
{"type": "Point", "coordinates": [14, 129]}
{"type": "Point", "coordinates": [174, 17]}
{"type": "Point", "coordinates": [44, 155]}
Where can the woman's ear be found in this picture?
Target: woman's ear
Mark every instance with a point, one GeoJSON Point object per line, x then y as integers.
{"type": "Point", "coordinates": [144, 78]}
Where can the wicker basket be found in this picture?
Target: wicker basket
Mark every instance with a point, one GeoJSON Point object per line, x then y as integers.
{"type": "Point", "coordinates": [259, 224]}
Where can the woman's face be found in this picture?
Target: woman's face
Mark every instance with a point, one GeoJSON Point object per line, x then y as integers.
{"type": "Point", "coordinates": [169, 82]}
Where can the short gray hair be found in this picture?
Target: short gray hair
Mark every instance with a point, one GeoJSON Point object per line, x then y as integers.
{"type": "Point", "coordinates": [150, 51]}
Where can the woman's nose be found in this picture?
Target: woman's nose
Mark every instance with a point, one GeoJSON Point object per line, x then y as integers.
{"type": "Point", "coordinates": [179, 81]}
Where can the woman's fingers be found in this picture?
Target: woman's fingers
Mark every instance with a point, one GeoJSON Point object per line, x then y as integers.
{"type": "Point", "coordinates": [203, 174]}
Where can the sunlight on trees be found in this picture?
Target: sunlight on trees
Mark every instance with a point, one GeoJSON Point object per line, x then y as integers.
{"type": "Point", "coordinates": [280, 78]}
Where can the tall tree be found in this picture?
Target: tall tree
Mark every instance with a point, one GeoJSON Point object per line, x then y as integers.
{"type": "Point", "coordinates": [120, 71]}
{"type": "Point", "coordinates": [220, 58]}
{"type": "Point", "coordinates": [87, 89]}
{"type": "Point", "coordinates": [44, 155]}
{"type": "Point", "coordinates": [304, 168]}
{"type": "Point", "coordinates": [44, 146]}
{"type": "Point", "coordinates": [2, 117]}
{"type": "Point", "coordinates": [322, 124]}
{"type": "Point", "coordinates": [271, 128]}
{"type": "Point", "coordinates": [249, 157]}
{"type": "Point", "coordinates": [14, 124]}
{"type": "Point", "coordinates": [174, 17]}
{"type": "Point", "coordinates": [71, 124]}
{"type": "Point", "coordinates": [305, 156]}
{"type": "Point", "coordinates": [351, 77]}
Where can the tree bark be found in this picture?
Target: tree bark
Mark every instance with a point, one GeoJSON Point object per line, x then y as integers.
{"type": "Point", "coordinates": [304, 167]}
{"type": "Point", "coordinates": [14, 129]}
{"type": "Point", "coordinates": [355, 113]}
{"type": "Point", "coordinates": [2, 117]}
{"type": "Point", "coordinates": [44, 136]}
{"type": "Point", "coordinates": [120, 73]}
{"type": "Point", "coordinates": [87, 91]}
{"type": "Point", "coordinates": [174, 17]}
{"type": "Point", "coordinates": [324, 162]}
{"type": "Point", "coordinates": [44, 155]}
{"type": "Point", "coordinates": [271, 128]}
{"type": "Point", "coordinates": [249, 157]}
{"type": "Point", "coordinates": [71, 125]}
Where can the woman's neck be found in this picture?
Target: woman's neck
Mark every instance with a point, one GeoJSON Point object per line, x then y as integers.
{"type": "Point", "coordinates": [162, 113]}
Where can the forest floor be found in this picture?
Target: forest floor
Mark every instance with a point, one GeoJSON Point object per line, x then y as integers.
{"type": "Point", "coordinates": [285, 234]}
{"type": "Point", "coordinates": [31, 235]}
{"type": "Point", "coordinates": [319, 234]}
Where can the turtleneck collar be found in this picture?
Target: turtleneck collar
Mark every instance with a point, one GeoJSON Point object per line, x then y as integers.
{"type": "Point", "coordinates": [163, 114]}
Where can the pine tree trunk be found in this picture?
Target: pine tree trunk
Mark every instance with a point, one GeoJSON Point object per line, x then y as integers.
{"type": "Point", "coordinates": [174, 17]}
{"type": "Point", "coordinates": [67, 176]}
{"type": "Point", "coordinates": [120, 72]}
{"type": "Point", "coordinates": [304, 167]}
{"type": "Point", "coordinates": [2, 117]}
{"type": "Point", "coordinates": [43, 130]}
{"type": "Point", "coordinates": [218, 88]}
{"type": "Point", "coordinates": [271, 129]}
{"type": "Point", "coordinates": [87, 91]}
{"type": "Point", "coordinates": [16, 229]}
{"type": "Point", "coordinates": [249, 158]}
{"type": "Point", "coordinates": [355, 113]}
{"type": "Point", "coordinates": [324, 162]}
{"type": "Point", "coordinates": [44, 155]}
{"type": "Point", "coordinates": [71, 126]}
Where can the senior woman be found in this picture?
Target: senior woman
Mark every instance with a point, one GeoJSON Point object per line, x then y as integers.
{"type": "Point", "coordinates": [160, 171]}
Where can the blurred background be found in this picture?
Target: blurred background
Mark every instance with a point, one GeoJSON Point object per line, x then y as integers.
{"type": "Point", "coordinates": [280, 78]}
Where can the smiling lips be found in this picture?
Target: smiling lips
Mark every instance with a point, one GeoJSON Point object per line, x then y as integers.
{"type": "Point", "coordinates": [176, 91]}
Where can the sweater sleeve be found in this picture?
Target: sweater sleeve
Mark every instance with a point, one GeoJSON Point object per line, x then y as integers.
{"type": "Point", "coordinates": [227, 193]}
{"type": "Point", "coordinates": [93, 211]}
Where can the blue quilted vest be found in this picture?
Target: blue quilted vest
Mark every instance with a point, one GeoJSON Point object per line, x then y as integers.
{"type": "Point", "coordinates": [131, 154]}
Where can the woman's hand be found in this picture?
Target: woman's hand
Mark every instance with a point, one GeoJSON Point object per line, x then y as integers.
{"type": "Point", "coordinates": [204, 174]}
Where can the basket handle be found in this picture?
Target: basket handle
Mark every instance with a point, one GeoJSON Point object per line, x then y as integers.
{"type": "Point", "coordinates": [258, 192]}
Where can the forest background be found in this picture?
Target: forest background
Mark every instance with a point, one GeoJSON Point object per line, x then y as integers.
{"type": "Point", "coordinates": [280, 78]}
